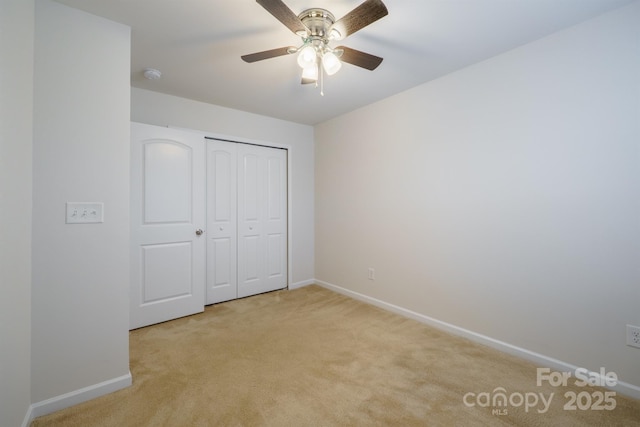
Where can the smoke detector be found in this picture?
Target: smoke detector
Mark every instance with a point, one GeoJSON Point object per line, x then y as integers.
{"type": "Point", "coordinates": [152, 74]}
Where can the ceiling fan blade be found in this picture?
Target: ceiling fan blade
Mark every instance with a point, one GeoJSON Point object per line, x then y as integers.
{"type": "Point", "coordinates": [307, 81]}
{"type": "Point", "coordinates": [266, 54]}
{"type": "Point", "coordinates": [358, 58]}
{"type": "Point", "coordinates": [283, 14]}
{"type": "Point", "coordinates": [367, 13]}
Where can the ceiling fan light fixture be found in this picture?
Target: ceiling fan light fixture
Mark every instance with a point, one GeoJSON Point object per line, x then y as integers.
{"type": "Point", "coordinates": [331, 63]}
{"type": "Point", "coordinates": [307, 57]}
{"type": "Point", "coordinates": [310, 73]}
{"type": "Point", "coordinates": [318, 28]}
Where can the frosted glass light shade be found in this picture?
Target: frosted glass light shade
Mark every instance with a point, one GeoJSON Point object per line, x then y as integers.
{"type": "Point", "coordinates": [307, 57]}
{"type": "Point", "coordinates": [310, 73]}
{"type": "Point", "coordinates": [331, 63]}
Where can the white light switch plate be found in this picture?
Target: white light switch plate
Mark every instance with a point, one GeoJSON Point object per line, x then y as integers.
{"type": "Point", "coordinates": [85, 212]}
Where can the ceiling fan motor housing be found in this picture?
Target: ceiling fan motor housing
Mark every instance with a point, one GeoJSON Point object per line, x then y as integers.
{"type": "Point", "coordinates": [318, 21]}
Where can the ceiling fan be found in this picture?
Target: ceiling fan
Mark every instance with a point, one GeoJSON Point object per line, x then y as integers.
{"type": "Point", "coordinates": [318, 28]}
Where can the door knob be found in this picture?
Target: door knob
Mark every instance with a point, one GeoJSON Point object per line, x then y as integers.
{"type": "Point", "coordinates": [199, 231]}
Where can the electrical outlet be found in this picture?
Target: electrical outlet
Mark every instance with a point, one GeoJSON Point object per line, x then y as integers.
{"type": "Point", "coordinates": [633, 336]}
{"type": "Point", "coordinates": [372, 274]}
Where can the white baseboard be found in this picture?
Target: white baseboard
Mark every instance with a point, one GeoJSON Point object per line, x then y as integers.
{"type": "Point", "coordinates": [28, 417]}
{"type": "Point", "coordinates": [301, 284]}
{"type": "Point", "coordinates": [621, 387]}
{"type": "Point", "coordinates": [75, 397]}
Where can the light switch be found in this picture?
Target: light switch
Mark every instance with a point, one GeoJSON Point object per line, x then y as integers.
{"type": "Point", "coordinates": [85, 212]}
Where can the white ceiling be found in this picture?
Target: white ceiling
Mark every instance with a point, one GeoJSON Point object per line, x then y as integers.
{"type": "Point", "coordinates": [197, 45]}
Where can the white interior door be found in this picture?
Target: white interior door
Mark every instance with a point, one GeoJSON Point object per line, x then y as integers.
{"type": "Point", "coordinates": [167, 215]}
{"type": "Point", "coordinates": [246, 219]}
{"type": "Point", "coordinates": [221, 221]}
{"type": "Point", "coordinates": [262, 219]}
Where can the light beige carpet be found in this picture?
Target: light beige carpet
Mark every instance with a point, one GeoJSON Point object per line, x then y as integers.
{"type": "Point", "coordinates": [311, 357]}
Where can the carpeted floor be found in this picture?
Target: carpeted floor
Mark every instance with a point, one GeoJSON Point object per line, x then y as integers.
{"type": "Point", "coordinates": [311, 357]}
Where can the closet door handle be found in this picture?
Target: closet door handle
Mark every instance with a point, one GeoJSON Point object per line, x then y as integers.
{"type": "Point", "coordinates": [199, 231]}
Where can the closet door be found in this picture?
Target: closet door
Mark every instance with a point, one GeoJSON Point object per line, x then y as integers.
{"type": "Point", "coordinates": [275, 220]}
{"type": "Point", "coordinates": [262, 219]}
{"type": "Point", "coordinates": [221, 221]}
{"type": "Point", "coordinates": [246, 220]}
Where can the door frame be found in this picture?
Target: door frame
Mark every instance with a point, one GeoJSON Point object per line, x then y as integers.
{"type": "Point", "coordinates": [227, 138]}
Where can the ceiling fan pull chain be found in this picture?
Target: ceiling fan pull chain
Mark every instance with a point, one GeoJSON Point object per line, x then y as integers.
{"type": "Point", "coordinates": [321, 69]}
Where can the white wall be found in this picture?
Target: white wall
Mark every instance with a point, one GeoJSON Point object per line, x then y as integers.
{"type": "Point", "coordinates": [166, 110]}
{"type": "Point", "coordinates": [503, 199]}
{"type": "Point", "coordinates": [16, 134]}
{"type": "Point", "coordinates": [81, 153]}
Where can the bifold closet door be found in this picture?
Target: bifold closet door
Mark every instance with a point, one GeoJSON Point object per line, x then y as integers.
{"type": "Point", "coordinates": [222, 283]}
{"type": "Point", "coordinates": [247, 219]}
{"type": "Point", "coordinates": [262, 219]}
